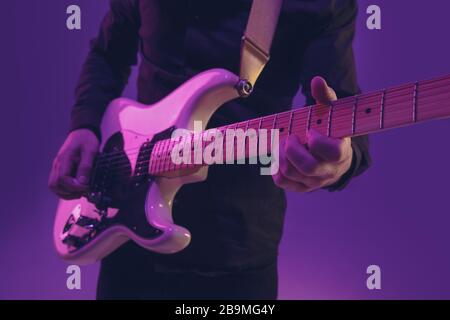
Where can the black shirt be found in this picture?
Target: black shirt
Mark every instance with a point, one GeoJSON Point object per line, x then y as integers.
{"type": "Point", "coordinates": [236, 216]}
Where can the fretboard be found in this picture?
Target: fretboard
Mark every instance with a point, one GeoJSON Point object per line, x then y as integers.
{"type": "Point", "coordinates": [348, 117]}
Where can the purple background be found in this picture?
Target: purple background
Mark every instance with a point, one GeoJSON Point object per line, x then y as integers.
{"type": "Point", "coordinates": [395, 216]}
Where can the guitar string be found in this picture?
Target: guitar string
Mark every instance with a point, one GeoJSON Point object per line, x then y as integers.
{"type": "Point", "coordinates": [337, 103]}
{"type": "Point", "coordinates": [167, 167]}
{"type": "Point", "coordinates": [162, 162]}
{"type": "Point", "coordinates": [281, 123]}
{"type": "Point", "coordinates": [334, 128]}
{"type": "Point", "coordinates": [281, 116]}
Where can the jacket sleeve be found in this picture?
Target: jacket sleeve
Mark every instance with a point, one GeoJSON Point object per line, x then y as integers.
{"type": "Point", "coordinates": [107, 67]}
{"type": "Point", "coordinates": [330, 55]}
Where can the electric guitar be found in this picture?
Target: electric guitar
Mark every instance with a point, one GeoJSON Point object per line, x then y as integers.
{"type": "Point", "coordinates": [134, 181]}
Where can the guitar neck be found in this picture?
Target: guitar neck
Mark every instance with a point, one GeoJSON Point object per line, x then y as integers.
{"type": "Point", "coordinates": [348, 117]}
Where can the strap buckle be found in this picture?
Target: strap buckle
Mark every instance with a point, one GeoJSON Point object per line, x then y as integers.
{"type": "Point", "coordinates": [244, 88]}
{"type": "Point", "coordinates": [253, 60]}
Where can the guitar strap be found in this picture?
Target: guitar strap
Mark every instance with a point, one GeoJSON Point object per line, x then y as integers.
{"type": "Point", "coordinates": [257, 41]}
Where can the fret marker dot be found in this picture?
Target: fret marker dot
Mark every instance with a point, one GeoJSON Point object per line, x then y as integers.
{"type": "Point", "coordinates": [368, 110]}
{"type": "Point", "coordinates": [319, 122]}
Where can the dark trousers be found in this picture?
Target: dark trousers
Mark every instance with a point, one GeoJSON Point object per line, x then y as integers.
{"type": "Point", "coordinates": [261, 283]}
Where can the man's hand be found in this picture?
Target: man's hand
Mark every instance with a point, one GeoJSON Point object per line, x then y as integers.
{"type": "Point", "coordinates": [69, 177]}
{"type": "Point", "coordinates": [322, 163]}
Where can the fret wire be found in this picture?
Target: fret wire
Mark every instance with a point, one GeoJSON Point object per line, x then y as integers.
{"type": "Point", "coordinates": [355, 106]}
{"type": "Point", "coordinates": [246, 141]}
{"type": "Point", "coordinates": [290, 123]}
{"type": "Point", "coordinates": [273, 128]}
{"type": "Point", "coordinates": [169, 155]}
{"type": "Point", "coordinates": [182, 148]}
{"type": "Point", "coordinates": [330, 115]}
{"type": "Point", "coordinates": [153, 159]}
{"type": "Point", "coordinates": [309, 119]}
{"type": "Point", "coordinates": [174, 165]}
{"type": "Point", "coordinates": [152, 163]}
{"type": "Point", "coordinates": [166, 148]}
{"type": "Point", "coordinates": [164, 155]}
{"type": "Point", "coordinates": [168, 158]}
{"type": "Point", "coordinates": [157, 157]}
{"type": "Point", "coordinates": [259, 132]}
{"type": "Point", "coordinates": [155, 167]}
{"type": "Point", "coordinates": [383, 96]}
{"type": "Point", "coordinates": [235, 146]}
{"type": "Point", "coordinates": [161, 156]}
{"type": "Point", "coordinates": [160, 167]}
{"type": "Point", "coordinates": [416, 91]}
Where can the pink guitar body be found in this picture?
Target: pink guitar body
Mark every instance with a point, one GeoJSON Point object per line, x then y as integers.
{"type": "Point", "coordinates": [84, 232]}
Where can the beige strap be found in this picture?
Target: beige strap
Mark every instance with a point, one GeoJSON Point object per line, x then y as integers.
{"type": "Point", "coordinates": [257, 41]}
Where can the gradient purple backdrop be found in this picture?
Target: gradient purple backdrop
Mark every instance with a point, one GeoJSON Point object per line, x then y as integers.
{"type": "Point", "coordinates": [395, 216]}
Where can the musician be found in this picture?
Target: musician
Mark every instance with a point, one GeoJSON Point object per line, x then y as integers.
{"type": "Point", "coordinates": [236, 216]}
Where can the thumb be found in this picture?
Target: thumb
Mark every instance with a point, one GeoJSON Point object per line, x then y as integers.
{"type": "Point", "coordinates": [85, 166]}
{"type": "Point", "coordinates": [321, 92]}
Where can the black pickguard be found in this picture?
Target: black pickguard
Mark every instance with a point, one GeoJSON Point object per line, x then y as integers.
{"type": "Point", "coordinates": [113, 186]}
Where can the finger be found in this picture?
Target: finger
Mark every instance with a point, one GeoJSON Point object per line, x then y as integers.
{"type": "Point", "coordinates": [61, 190]}
{"type": "Point", "coordinates": [288, 171]}
{"type": "Point", "coordinates": [64, 182]}
{"type": "Point", "coordinates": [85, 166]}
{"type": "Point", "coordinates": [326, 148]}
{"type": "Point", "coordinates": [70, 185]}
{"type": "Point", "coordinates": [62, 166]}
{"type": "Point", "coordinates": [321, 92]}
{"type": "Point", "coordinates": [303, 160]}
{"type": "Point", "coordinates": [68, 196]}
{"type": "Point", "coordinates": [66, 165]}
{"type": "Point", "coordinates": [53, 176]}
{"type": "Point", "coordinates": [289, 185]}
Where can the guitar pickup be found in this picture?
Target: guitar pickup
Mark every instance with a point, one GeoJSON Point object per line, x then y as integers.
{"type": "Point", "coordinates": [88, 223]}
